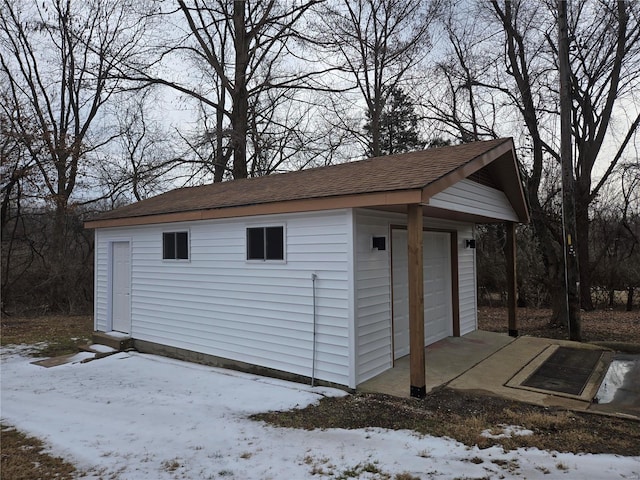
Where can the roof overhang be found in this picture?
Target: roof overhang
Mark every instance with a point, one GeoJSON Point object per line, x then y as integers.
{"type": "Point", "coordinates": [503, 167]}
{"type": "Point", "coordinates": [500, 162]}
{"type": "Point", "coordinates": [381, 199]}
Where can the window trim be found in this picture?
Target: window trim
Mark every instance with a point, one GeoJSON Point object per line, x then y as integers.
{"type": "Point", "coordinates": [175, 259]}
{"type": "Point", "coordinates": [264, 226]}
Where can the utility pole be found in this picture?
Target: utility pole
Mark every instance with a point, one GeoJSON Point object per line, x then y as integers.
{"type": "Point", "coordinates": [572, 272]}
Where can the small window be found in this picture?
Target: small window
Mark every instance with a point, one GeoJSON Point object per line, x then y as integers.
{"type": "Point", "coordinates": [175, 245]}
{"type": "Point", "coordinates": [265, 243]}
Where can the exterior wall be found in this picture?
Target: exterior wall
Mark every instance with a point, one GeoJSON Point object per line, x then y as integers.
{"type": "Point", "coordinates": [466, 272]}
{"type": "Point", "coordinates": [219, 304]}
{"type": "Point", "coordinates": [471, 197]}
{"type": "Point", "coordinates": [373, 287]}
{"type": "Point", "coordinates": [372, 295]}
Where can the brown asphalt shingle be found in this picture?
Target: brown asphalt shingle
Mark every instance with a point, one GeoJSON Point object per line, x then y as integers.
{"type": "Point", "coordinates": [381, 174]}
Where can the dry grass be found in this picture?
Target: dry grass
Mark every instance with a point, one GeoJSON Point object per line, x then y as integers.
{"type": "Point", "coordinates": [608, 326]}
{"type": "Point", "coordinates": [60, 334]}
{"type": "Point", "coordinates": [464, 416]}
{"type": "Point", "coordinates": [24, 458]}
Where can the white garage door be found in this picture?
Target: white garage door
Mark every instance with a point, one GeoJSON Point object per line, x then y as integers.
{"type": "Point", "coordinates": [437, 289]}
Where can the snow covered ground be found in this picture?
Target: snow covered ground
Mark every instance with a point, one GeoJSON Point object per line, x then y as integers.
{"type": "Point", "coordinates": [134, 416]}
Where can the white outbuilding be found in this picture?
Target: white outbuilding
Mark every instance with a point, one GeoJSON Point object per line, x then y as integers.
{"type": "Point", "coordinates": [329, 274]}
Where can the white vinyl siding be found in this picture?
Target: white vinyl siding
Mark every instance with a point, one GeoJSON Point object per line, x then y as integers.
{"type": "Point", "coordinates": [261, 313]}
{"type": "Point", "coordinates": [220, 304]}
{"type": "Point", "coordinates": [373, 287]}
{"type": "Point", "coordinates": [467, 281]}
{"type": "Point", "coordinates": [100, 281]}
{"type": "Point", "coordinates": [373, 295]}
{"type": "Point", "coordinates": [474, 198]}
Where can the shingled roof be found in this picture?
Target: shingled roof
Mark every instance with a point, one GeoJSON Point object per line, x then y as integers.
{"type": "Point", "coordinates": [382, 181]}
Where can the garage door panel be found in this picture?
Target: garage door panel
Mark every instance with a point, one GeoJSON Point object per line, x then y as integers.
{"type": "Point", "coordinates": [437, 287]}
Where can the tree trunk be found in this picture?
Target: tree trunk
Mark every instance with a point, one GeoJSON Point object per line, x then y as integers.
{"type": "Point", "coordinates": [556, 287]}
{"type": "Point", "coordinates": [239, 140]}
{"type": "Point", "coordinates": [630, 298]}
{"type": "Point", "coordinates": [220, 158]}
{"type": "Point", "coordinates": [582, 246]}
{"type": "Point", "coordinates": [612, 294]}
{"type": "Point", "coordinates": [240, 107]}
{"type": "Point", "coordinates": [375, 131]}
{"type": "Point", "coordinates": [57, 265]}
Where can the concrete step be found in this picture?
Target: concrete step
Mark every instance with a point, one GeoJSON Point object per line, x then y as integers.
{"type": "Point", "coordinates": [99, 350]}
{"type": "Point", "coordinates": [117, 341]}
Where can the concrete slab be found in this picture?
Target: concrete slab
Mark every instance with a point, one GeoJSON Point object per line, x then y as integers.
{"type": "Point", "coordinates": [497, 364]}
{"type": "Point", "coordinates": [444, 361]}
{"type": "Point", "coordinates": [503, 372]}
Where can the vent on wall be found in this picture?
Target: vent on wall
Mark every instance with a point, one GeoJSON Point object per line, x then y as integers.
{"type": "Point", "coordinates": [379, 243]}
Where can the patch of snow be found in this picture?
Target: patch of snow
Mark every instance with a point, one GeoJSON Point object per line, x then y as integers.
{"type": "Point", "coordinates": [20, 350]}
{"type": "Point", "coordinates": [134, 416]}
{"type": "Point", "coordinates": [117, 334]}
{"type": "Point", "coordinates": [613, 380]}
{"type": "Point", "coordinates": [508, 431]}
{"type": "Point", "coordinates": [81, 356]}
{"type": "Point", "coordinates": [96, 347]}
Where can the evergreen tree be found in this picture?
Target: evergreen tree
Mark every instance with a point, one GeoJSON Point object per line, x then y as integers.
{"type": "Point", "coordinates": [398, 125]}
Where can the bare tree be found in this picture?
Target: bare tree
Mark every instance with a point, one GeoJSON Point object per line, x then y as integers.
{"type": "Point", "coordinates": [286, 134]}
{"type": "Point", "coordinates": [245, 53]}
{"type": "Point", "coordinates": [143, 160]}
{"type": "Point", "coordinates": [615, 236]}
{"type": "Point", "coordinates": [604, 69]}
{"type": "Point", "coordinates": [16, 164]}
{"type": "Point", "coordinates": [16, 169]}
{"type": "Point", "coordinates": [507, 84]}
{"type": "Point", "coordinates": [530, 85]}
{"type": "Point", "coordinates": [57, 59]}
{"type": "Point", "coordinates": [376, 43]}
{"type": "Point", "coordinates": [459, 100]}
{"type": "Point", "coordinates": [630, 228]}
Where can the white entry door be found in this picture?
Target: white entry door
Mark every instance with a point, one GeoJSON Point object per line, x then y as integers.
{"type": "Point", "coordinates": [437, 289]}
{"type": "Point", "coordinates": [121, 287]}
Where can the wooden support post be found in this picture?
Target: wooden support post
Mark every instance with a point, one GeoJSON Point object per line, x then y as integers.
{"type": "Point", "coordinates": [416, 302]}
{"type": "Point", "coordinates": [512, 287]}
